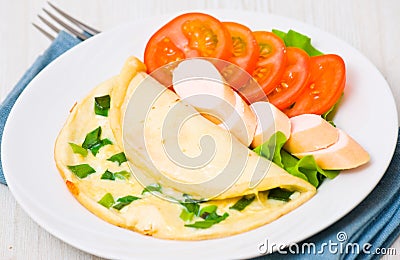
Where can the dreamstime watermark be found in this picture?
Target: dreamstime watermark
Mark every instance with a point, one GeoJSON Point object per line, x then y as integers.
{"type": "Point", "coordinates": [339, 246]}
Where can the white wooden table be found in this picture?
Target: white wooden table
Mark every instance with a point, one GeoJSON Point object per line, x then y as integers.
{"type": "Point", "coordinates": [371, 26]}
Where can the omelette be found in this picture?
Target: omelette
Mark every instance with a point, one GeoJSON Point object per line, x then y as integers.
{"type": "Point", "coordinates": [100, 155]}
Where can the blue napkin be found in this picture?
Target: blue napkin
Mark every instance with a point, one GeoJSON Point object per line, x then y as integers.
{"type": "Point", "coordinates": [374, 223]}
{"type": "Point", "coordinates": [61, 44]}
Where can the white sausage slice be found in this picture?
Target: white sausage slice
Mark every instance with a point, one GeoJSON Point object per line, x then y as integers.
{"type": "Point", "coordinates": [242, 122]}
{"type": "Point", "coordinates": [310, 133]}
{"type": "Point", "coordinates": [269, 120]}
{"type": "Point", "coordinates": [200, 84]}
{"type": "Point", "coordinates": [344, 154]}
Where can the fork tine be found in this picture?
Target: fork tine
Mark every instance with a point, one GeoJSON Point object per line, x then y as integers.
{"type": "Point", "coordinates": [80, 24]}
{"type": "Point", "coordinates": [48, 35]}
{"type": "Point", "coordinates": [66, 26]}
{"type": "Point", "coordinates": [49, 24]}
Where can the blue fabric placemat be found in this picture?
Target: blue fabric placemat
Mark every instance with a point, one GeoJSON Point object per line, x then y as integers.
{"type": "Point", "coordinates": [61, 44]}
{"type": "Point", "coordinates": [373, 225]}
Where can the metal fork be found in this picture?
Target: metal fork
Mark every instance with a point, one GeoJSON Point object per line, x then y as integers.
{"type": "Point", "coordinates": [82, 31]}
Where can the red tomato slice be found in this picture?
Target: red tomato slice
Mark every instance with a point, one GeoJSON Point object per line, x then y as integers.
{"type": "Point", "coordinates": [245, 48]}
{"type": "Point", "coordinates": [187, 36]}
{"type": "Point", "coordinates": [324, 87]}
{"type": "Point", "coordinates": [293, 80]}
{"type": "Point", "coordinates": [271, 61]}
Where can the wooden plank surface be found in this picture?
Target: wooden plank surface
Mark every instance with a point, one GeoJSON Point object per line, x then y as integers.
{"type": "Point", "coordinates": [371, 26]}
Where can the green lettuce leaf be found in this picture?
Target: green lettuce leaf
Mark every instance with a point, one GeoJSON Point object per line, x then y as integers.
{"type": "Point", "coordinates": [272, 148]}
{"type": "Point", "coordinates": [296, 39]}
{"type": "Point", "coordinates": [305, 168]}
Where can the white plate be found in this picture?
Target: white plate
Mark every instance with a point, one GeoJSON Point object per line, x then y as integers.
{"type": "Point", "coordinates": [367, 113]}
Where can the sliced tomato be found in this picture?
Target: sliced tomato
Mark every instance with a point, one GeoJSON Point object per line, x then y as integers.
{"type": "Point", "coordinates": [293, 80]}
{"type": "Point", "coordinates": [324, 87]}
{"type": "Point", "coordinates": [271, 60]}
{"type": "Point", "coordinates": [187, 36]}
{"type": "Point", "coordinates": [245, 48]}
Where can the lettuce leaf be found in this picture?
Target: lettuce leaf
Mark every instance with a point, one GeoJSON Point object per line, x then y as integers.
{"type": "Point", "coordinates": [328, 115]}
{"type": "Point", "coordinates": [272, 148]}
{"type": "Point", "coordinates": [305, 168]}
{"type": "Point", "coordinates": [296, 39]}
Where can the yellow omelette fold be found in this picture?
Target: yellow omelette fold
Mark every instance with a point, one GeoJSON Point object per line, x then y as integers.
{"type": "Point", "coordinates": [151, 214]}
